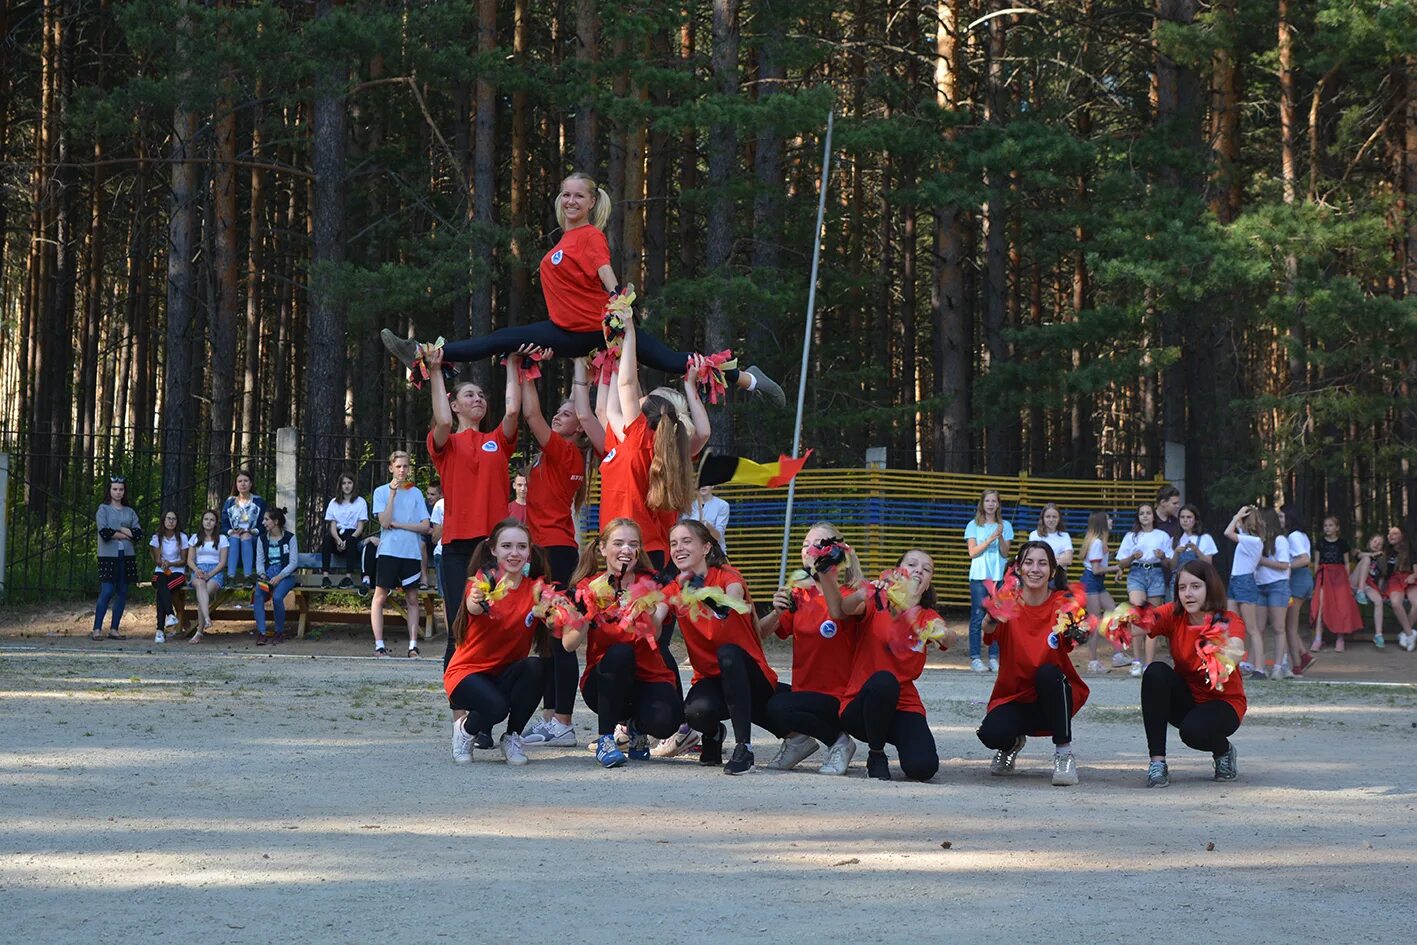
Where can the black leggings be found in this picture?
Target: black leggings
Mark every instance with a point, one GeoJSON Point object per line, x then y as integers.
{"type": "Point", "coordinates": [652, 352]}
{"type": "Point", "coordinates": [559, 691]}
{"type": "Point", "coordinates": [1166, 699]}
{"type": "Point", "coordinates": [456, 555]}
{"type": "Point", "coordinates": [740, 693]}
{"type": "Point", "coordinates": [489, 698]}
{"type": "Point", "coordinates": [873, 718]}
{"type": "Point", "coordinates": [1052, 713]}
{"type": "Point", "coordinates": [811, 713]}
{"type": "Point", "coordinates": [614, 695]}
{"type": "Point", "coordinates": [164, 597]}
{"type": "Point", "coordinates": [352, 545]}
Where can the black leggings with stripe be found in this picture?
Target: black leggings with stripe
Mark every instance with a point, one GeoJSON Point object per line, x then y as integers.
{"type": "Point", "coordinates": [1052, 712]}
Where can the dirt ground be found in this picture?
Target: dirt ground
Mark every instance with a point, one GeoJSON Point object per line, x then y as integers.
{"type": "Point", "coordinates": [225, 793]}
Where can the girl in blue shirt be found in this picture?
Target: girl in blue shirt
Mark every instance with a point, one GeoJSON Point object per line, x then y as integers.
{"type": "Point", "coordinates": [988, 537]}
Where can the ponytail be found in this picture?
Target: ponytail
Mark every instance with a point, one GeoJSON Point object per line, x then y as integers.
{"type": "Point", "coordinates": [671, 470]}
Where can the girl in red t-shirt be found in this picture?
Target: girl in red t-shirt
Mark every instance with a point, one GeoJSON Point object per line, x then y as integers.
{"type": "Point", "coordinates": [1185, 696]}
{"type": "Point", "coordinates": [576, 280]}
{"type": "Point", "coordinates": [1038, 691]}
{"type": "Point", "coordinates": [823, 648]}
{"type": "Point", "coordinates": [732, 678]}
{"type": "Point", "coordinates": [881, 702]}
{"type": "Point", "coordinates": [491, 677]}
{"type": "Point", "coordinates": [626, 680]}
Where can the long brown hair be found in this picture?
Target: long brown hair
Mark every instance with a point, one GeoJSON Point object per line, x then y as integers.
{"type": "Point", "coordinates": [593, 562]}
{"type": "Point", "coordinates": [1268, 528]}
{"type": "Point", "coordinates": [215, 536]}
{"type": "Point", "coordinates": [481, 425]}
{"type": "Point", "coordinates": [671, 470]}
{"type": "Point", "coordinates": [716, 557]}
{"type": "Point", "coordinates": [1097, 530]}
{"type": "Point", "coordinates": [1214, 586]}
{"type": "Point", "coordinates": [482, 560]}
{"type": "Point", "coordinates": [1403, 550]}
{"type": "Point", "coordinates": [979, 508]}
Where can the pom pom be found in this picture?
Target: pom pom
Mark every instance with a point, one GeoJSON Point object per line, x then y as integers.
{"type": "Point", "coordinates": [530, 368]}
{"type": "Point", "coordinates": [600, 594]}
{"type": "Point", "coordinates": [1218, 651]}
{"type": "Point", "coordinates": [827, 554]}
{"type": "Point", "coordinates": [418, 371]}
{"type": "Point", "coordinates": [1005, 599]}
{"type": "Point", "coordinates": [700, 599]}
{"type": "Point", "coordinates": [1124, 621]}
{"type": "Point", "coordinates": [603, 364]}
{"type": "Point", "coordinates": [637, 604]}
{"type": "Point", "coordinates": [557, 611]}
{"type": "Point", "coordinates": [492, 591]}
{"type": "Point", "coordinates": [916, 630]}
{"type": "Point", "coordinates": [902, 592]}
{"type": "Point", "coordinates": [618, 311]}
{"type": "Point", "coordinates": [1073, 624]}
{"type": "Point", "coordinates": [713, 381]}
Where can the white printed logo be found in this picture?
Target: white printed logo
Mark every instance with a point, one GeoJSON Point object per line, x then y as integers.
{"type": "Point", "coordinates": [529, 619]}
{"type": "Point", "coordinates": [827, 629]}
{"type": "Point", "coordinates": [556, 257]}
{"type": "Point", "coordinates": [608, 457]}
{"type": "Point", "coordinates": [490, 446]}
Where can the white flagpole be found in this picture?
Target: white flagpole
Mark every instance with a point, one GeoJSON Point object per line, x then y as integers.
{"type": "Point", "coordinates": [806, 346]}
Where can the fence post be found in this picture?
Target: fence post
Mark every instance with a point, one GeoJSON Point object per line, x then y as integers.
{"type": "Point", "coordinates": [4, 516]}
{"type": "Point", "coordinates": [286, 496]}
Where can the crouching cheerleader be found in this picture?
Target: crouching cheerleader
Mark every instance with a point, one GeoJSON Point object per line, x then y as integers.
{"type": "Point", "coordinates": [898, 623]}
{"type": "Point", "coordinates": [490, 676]}
{"type": "Point", "coordinates": [732, 679]}
{"type": "Point", "coordinates": [1038, 690]}
{"type": "Point", "coordinates": [626, 680]}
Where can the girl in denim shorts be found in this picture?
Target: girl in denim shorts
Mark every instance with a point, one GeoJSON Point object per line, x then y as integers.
{"type": "Point", "coordinates": [1147, 551]}
{"type": "Point", "coordinates": [1094, 582]}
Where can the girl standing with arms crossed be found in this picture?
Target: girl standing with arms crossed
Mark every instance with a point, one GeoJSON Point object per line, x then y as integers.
{"type": "Point", "coordinates": [1146, 550]}
{"type": "Point", "coordinates": [1094, 582]}
{"type": "Point", "coordinates": [1334, 603]}
{"type": "Point", "coordinates": [403, 520]}
{"type": "Point", "coordinates": [987, 536]}
{"type": "Point", "coordinates": [118, 532]}
{"type": "Point", "coordinates": [206, 557]}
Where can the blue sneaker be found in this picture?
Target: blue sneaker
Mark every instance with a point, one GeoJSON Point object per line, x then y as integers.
{"type": "Point", "coordinates": [608, 753]}
{"type": "Point", "coordinates": [639, 745]}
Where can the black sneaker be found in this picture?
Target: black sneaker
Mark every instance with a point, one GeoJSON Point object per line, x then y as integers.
{"type": "Point", "coordinates": [326, 582]}
{"type": "Point", "coordinates": [482, 740]}
{"type": "Point", "coordinates": [347, 582]}
{"type": "Point", "coordinates": [741, 762]}
{"type": "Point", "coordinates": [711, 749]}
{"type": "Point", "coordinates": [877, 766]}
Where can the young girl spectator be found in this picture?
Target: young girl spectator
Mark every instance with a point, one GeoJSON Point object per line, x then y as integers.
{"type": "Point", "coordinates": [626, 681]}
{"type": "Point", "coordinates": [732, 678]}
{"type": "Point", "coordinates": [1401, 585]}
{"type": "Point", "coordinates": [1037, 691]}
{"type": "Point", "coordinates": [118, 532]}
{"type": "Point", "coordinates": [1244, 595]}
{"type": "Point", "coordinates": [403, 518]}
{"type": "Point", "coordinates": [1272, 581]}
{"type": "Point", "coordinates": [823, 646]}
{"type": "Point", "coordinates": [346, 515]}
{"type": "Point", "coordinates": [1334, 604]}
{"type": "Point", "coordinates": [1146, 550]}
{"type": "Point", "coordinates": [1368, 580]}
{"type": "Point", "coordinates": [169, 551]}
{"type": "Point", "coordinates": [1094, 582]}
{"type": "Point", "coordinates": [206, 558]}
{"type": "Point", "coordinates": [555, 492]}
{"type": "Point", "coordinates": [241, 517]}
{"type": "Point", "coordinates": [881, 702]}
{"type": "Point", "coordinates": [1186, 696]}
{"type": "Point", "coordinates": [1193, 544]}
{"type": "Point", "coordinates": [987, 536]}
{"type": "Point", "coordinates": [277, 556]}
{"type": "Point", "coordinates": [491, 677]}
{"type": "Point", "coordinates": [1050, 532]}
{"type": "Point", "coordinates": [1301, 586]}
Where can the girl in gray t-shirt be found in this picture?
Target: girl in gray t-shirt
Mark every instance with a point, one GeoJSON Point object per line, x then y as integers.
{"type": "Point", "coordinates": [118, 531]}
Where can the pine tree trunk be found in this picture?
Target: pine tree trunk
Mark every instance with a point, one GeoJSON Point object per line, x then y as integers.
{"type": "Point", "coordinates": [226, 263]}
{"type": "Point", "coordinates": [484, 182]}
{"type": "Point", "coordinates": [953, 330]}
{"type": "Point", "coordinates": [587, 43]}
{"type": "Point", "coordinates": [519, 297]}
{"type": "Point", "coordinates": [657, 179]}
{"type": "Point", "coordinates": [632, 257]}
{"type": "Point", "coordinates": [1408, 419]}
{"type": "Point", "coordinates": [767, 173]}
{"type": "Point", "coordinates": [251, 376]}
{"type": "Point", "coordinates": [722, 148]}
{"type": "Point", "coordinates": [1003, 438]}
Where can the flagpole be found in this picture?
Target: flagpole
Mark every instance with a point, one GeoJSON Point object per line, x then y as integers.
{"type": "Point", "coordinates": [806, 347]}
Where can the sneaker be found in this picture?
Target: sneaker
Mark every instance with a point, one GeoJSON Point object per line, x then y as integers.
{"type": "Point", "coordinates": [711, 749]}
{"type": "Point", "coordinates": [639, 745]}
{"type": "Point", "coordinates": [993, 664]}
{"type": "Point", "coordinates": [512, 749]}
{"type": "Point", "coordinates": [1226, 767]}
{"type": "Point", "coordinates": [171, 620]}
{"type": "Point", "coordinates": [1094, 667]}
{"type": "Point", "coordinates": [1004, 759]}
{"type": "Point", "coordinates": [1136, 669]}
{"type": "Point", "coordinates": [1120, 659]}
{"type": "Point", "coordinates": [1256, 673]}
{"type": "Point", "coordinates": [1065, 770]}
{"type": "Point", "coordinates": [462, 744]}
{"type": "Point", "coordinates": [608, 753]}
{"type": "Point", "coordinates": [1157, 774]}
{"type": "Point", "coordinates": [793, 752]}
{"type": "Point", "coordinates": [676, 744]}
{"type": "Point", "coordinates": [741, 762]}
{"type": "Point", "coordinates": [405, 349]}
{"type": "Point", "coordinates": [622, 734]}
{"type": "Point", "coordinates": [1411, 643]}
{"type": "Point", "coordinates": [347, 582]}
{"type": "Point", "coordinates": [326, 582]}
{"type": "Point", "coordinates": [483, 740]}
{"type": "Point", "coordinates": [977, 665]}
{"type": "Point", "coordinates": [877, 766]}
{"type": "Point", "coordinates": [159, 637]}
{"type": "Point", "coordinates": [553, 733]}
{"type": "Point", "coordinates": [766, 386]}
{"type": "Point", "coordinates": [839, 756]}
{"type": "Point", "coordinates": [1378, 641]}
{"type": "Point", "coordinates": [1305, 662]}
{"type": "Point", "coordinates": [535, 729]}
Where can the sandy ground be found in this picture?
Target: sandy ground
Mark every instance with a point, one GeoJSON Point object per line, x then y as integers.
{"type": "Point", "coordinates": [229, 794]}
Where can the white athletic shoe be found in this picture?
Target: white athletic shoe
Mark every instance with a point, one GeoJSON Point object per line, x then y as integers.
{"type": "Point", "coordinates": [551, 734]}
{"type": "Point", "coordinates": [159, 637]}
{"type": "Point", "coordinates": [678, 743]}
{"type": "Point", "coordinates": [462, 744]}
{"type": "Point", "coordinates": [839, 756]}
{"type": "Point", "coordinates": [512, 749]}
{"type": "Point", "coordinates": [793, 752]}
{"type": "Point", "coordinates": [171, 620]}
{"type": "Point", "coordinates": [977, 665]}
{"type": "Point", "coordinates": [993, 664]}
{"type": "Point", "coordinates": [1003, 760]}
{"type": "Point", "coordinates": [622, 734]}
{"type": "Point", "coordinates": [1136, 669]}
{"type": "Point", "coordinates": [1120, 659]}
{"type": "Point", "coordinates": [1095, 666]}
{"type": "Point", "coordinates": [1065, 770]}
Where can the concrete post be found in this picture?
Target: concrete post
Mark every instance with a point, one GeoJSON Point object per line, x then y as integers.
{"type": "Point", "coordinates": [4, 516]}
{"type": "Point", "coordinates": [286, 472]}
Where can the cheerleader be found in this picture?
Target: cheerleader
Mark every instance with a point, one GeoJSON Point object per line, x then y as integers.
{"type": "Point", "coordinates": [1146, 552]}
{"type": "Point", "coordinates": [1038, 691]}
{"type": "Point", "coordinates": [626, 681]}
{"type": "Point", "coordinates": [732, 679]}
{"type": "Point", "coordinates": [491, 677]}
{"type": "Point", "coordinates": [1334, 604]}
{"type": "Point", "coordinates": [576, 278]}
{"type": "Point", "coordinates": [1094, 582]}
{"type": "Point", "coordinates": [1201, 696]}
{"type": "Point", "coordinates": [556, 490]}
{"type": "Point", "coordinates": [809, 611]}
{"type": "Point", "coordinates": [1301, 585]}
{"type": "Point", "coordinates": [881, 702]}
{"type": "Point", "coordinates": [1368, 580]}
{"type": "Point", "coordinates": [1401, 586]}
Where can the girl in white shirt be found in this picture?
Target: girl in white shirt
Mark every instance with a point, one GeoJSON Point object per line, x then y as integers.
{"type": "Point", "coordinates": [169, 550]}
{"type": "Point", "coordinates": [1050, 532]}
{"type": "Point", "coordinates": [1094, 574]}
{"type": "Point", "coordinates": [206, 557]}
{"type": "Point", "coordinates": [1194, 544]}
{"type": "Point", "coordinates": [346, 515]}
{"type": "Point", "coordinates": [1301, 586]}
{"type": "Point", "coordinates": [1146, 550]}
{"type": "Point", "coordinates": [1255, 575]}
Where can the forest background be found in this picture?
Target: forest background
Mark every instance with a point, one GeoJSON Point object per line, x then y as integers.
{"type": "Point", "coordinates": [1064, 238]}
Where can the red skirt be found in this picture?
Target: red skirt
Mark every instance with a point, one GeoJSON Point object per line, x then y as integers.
{"type": "Point", "coordinates": [1397, 583]}
{"type": "Point", "coordinates": [1334, 597]}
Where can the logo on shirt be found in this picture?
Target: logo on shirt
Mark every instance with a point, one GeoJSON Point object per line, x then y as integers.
{"type": "Point", "coordinates": [556, 257]}
{"type": "Point", "coordinates": [608, 456]}
{"type": "Point", "coordinates": [530, 619]}
{"type": "Point", "coordinates": [490, 446]}
{"type": "Point", "coordinates": [827, 629]}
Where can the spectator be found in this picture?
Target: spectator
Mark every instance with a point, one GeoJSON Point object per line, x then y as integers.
{"type": "Point", "coordinates": [987, 536]}
{"type": "Point", "coordinates": [118, 531]}
{"type": "Point", "coordinates": [1050, 532]}
{"type": "Point", "coordinates": [1168, 520]}
{"type": "Point", "coordinates": [517, 507]}
{"type": "Point", "coordinates": [432, 547]}
{"type": "Point", "coordinates": [242, 515]}
{"type": "Point", "coordinates": [277, 555]}
{"type": "Point", "coordinates": [169, 550]}
{"type": "Point", "coordinates": [713, 512]}
{"type": "Point", "coordinates": [403, 516]}
{"type": "Point", "coordinates": [206, 557]}
{"type": "Point", "coordinates": [346, 515]}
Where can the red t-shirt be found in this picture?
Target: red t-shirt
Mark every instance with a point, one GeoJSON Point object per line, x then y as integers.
{"type": "Point", "coordinates": [1171, 623]}
{"type": "Point", "coordinates": [703, 636]}
{"type": "Point", "coordinates": [1023, 648]}
{"type": "Point", "coordinates": [473, 467]}
{"type": "Point", "coordinates": [551, 488]}
{"type": "Point", "coordinates": [575, 296]}
{"type": "Point", "coordinates": [494, 640]}
{"type": "Point", "coordinates": [517, 511]}
{"type": "Point", "coordinates": [822, 649]}
{"type": "Point", "coordinates": [624, 485]}
{"type": "Point", "coordinates": [603, 634]}
{"type": "Point", "coordinates": [875, 652]}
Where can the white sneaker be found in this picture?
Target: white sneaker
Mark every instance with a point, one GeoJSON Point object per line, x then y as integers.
{"type": "Point", "coordinates": [1003, 761]}
{"type": "Point", "coordinates": [159, 637]}
{"type": "Point", "coordinates": [622, 734]}
{"type": "Point", "coordinates": [977, 665]}
{"type": "Point", "coordinates": [462, 744]}
{"type": "Point", "coordinates": [1065, 770]}
{"type": "Point", "coordinates": [1136, 669]}
{"type": "Point", "coordinates": [1095, 666]}
{"type": "Point", "coordinates": [171, 620]}
{"type": "Point", "coordinates": [793, 752]}
{"type": "Point", "coordinates": [993, 664]}
{"type": "Point", "coordinates": [1120, 659]}
{"type": "Point", "coordinates": [839, 756]}
{"type": "Point", "coordinates": [552, 734]}
{"type": "Point", "coordinates": [512, 749]}
{"type": "Point", "coordinates": [538, 728]}
{"type": "Point", "coordinates": [676, 744]}
{"type": "Point", "coordinates": [1411, 643]}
